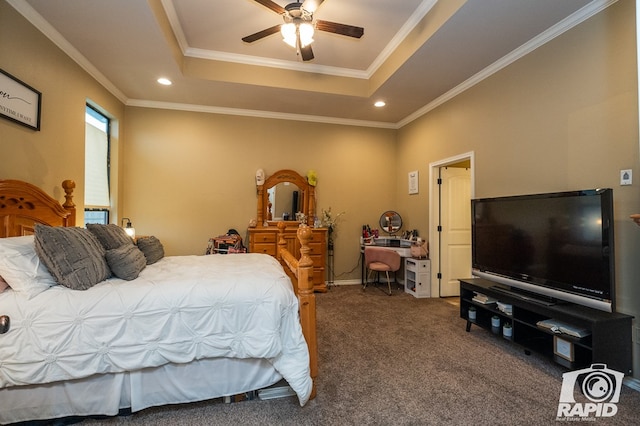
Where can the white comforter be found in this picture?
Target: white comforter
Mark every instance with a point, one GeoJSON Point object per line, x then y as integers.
{"type": "Point", "coordinates": [179, 309]}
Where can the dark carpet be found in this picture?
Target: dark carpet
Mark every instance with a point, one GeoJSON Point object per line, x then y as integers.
{"type": "Point", "coordinates": [398, 360]}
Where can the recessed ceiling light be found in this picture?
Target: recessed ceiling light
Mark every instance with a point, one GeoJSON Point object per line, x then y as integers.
{"type": "Point", "coordinates": [164, 81]}
{"type": "Point", "coordinates": [379, 104]}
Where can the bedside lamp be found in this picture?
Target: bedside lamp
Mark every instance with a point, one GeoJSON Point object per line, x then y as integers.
{"type": "Point", "coordinates": [128, 228]}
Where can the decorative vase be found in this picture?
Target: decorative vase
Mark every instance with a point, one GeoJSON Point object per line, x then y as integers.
{"type": "Point", "coordinates": [507, 331]}
{"type": "Point", "coordinates": [472, 314]}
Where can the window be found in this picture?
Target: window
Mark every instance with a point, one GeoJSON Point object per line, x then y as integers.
{"type": "Point", "coordinates": [96, 216]}
{"type": "Point", "coordinates": [96, 172]}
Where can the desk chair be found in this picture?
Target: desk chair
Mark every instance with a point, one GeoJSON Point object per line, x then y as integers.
{"type": "Point", "coordinates": [380, 259]}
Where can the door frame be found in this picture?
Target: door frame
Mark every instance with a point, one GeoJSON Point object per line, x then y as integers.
{"type": "Point", "coordinates": [434, 211]}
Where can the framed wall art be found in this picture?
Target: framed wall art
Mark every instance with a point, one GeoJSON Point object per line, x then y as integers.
{"type": "Point", "coordinates": [19, 102]}
{"type": "Point", "coordinates": [413, 182]}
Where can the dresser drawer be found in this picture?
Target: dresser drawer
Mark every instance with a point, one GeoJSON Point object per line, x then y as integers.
{"type": "Point", "coordinates": [269, 249]}
{"type": "Point", "coordinates": [316, 248]}
{"type": "Point", "coordinates": [264, 237]}
{"type": "Point", "coordinates": [419, 266]}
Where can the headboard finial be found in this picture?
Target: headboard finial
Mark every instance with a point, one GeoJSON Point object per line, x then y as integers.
{"type": "Point", "coordinates": [68, 186]}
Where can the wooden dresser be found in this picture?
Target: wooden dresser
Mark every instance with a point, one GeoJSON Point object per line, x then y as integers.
{"type": "Point", "coordinates": [281, 197]}
{"type": "Point", "coordinates": [265, 240]}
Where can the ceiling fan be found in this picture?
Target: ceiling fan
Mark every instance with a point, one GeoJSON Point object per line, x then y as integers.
{"type": "Point", "coordinates": [298, 26]}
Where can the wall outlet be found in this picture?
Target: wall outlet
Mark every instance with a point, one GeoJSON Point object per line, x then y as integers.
{"type": "Point", "coordinates": [626, 177]}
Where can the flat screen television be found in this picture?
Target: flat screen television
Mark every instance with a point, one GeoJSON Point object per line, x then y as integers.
{"type": "Point", "coordinates": [557, 245]}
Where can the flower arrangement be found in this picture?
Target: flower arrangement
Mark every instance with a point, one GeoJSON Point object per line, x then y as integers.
{"type": "Point", "coordinates": [329, 221]}
{"type": "Point", "coordinates": [301, 217]}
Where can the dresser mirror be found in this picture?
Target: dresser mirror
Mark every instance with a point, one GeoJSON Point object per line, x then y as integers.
{"type": "Point", "coordinates": [285, 200]}
{"type": "Point", "coordinates": [283, 197]}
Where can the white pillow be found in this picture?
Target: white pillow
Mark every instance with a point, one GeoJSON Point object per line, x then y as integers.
{"type": "Point", "coordinates": [21, 268]}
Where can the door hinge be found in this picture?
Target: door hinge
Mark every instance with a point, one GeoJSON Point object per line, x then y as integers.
{"type": "Point", "coordinates": [439, 275]}
{"type": "Point", "coordinates": [439, 181]}
{"type": "Point", "coordinates": [439, 228]}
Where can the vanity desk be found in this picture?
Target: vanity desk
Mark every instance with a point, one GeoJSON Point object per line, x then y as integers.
{"type": "Point", "coordinates": [416, 278]}
{"type": "Point", "coordinates": [282, 195]}
{"type": "Point", "coordinates": [402, 247]}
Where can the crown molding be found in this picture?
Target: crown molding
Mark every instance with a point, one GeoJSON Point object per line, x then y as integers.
{"type": "Point", "coordinates": [422, 10]}
{"type": "Point", "coordinates": [274, 63]}
{"type": "Point", "coordinates": [258, 114]}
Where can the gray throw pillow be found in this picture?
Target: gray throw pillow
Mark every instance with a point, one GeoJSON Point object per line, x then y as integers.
{"type": "Point", "coordinates": [72, 255]}
{"type": "Point", "coordinates": [110, 236]}
{"type": "Point", "coordinates": [126, 261]}
{"type": "Point", "coordinates": [152, 249]}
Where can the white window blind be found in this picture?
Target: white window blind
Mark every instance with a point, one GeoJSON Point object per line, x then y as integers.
{"type": "Point", "coordinates": [96, 190]}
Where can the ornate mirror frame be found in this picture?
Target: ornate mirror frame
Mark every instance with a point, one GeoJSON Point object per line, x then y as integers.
{"type": "Point", "coordinates": [307, 196]}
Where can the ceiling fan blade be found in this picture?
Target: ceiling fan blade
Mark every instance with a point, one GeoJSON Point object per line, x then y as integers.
{"type": "Point", "coordinates": [271, 5]}
{"type": "Point", "coordinates": [342, 29]}
{"type": "Point", "coordinates": [311, 5]}
{"type": "Point", "coordinates": [306, 53]}
{"type": "Point", "coordinates": [261, 34]}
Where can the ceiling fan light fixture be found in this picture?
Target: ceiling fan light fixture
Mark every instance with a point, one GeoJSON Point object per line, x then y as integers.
{"type": "Point", "coordinates": [299, 26]}
{"type": "Point", "coordinates": [290, 30]}
{"type": "Point", "coordinates": [306, 34]}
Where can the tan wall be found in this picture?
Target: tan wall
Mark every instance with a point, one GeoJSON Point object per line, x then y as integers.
{"type": "Point", "coordinates": [56, 152]}
{"type": "Point", "coordinates": [190, 176]}
{"type": "Point", "coordinates": [564, 117]}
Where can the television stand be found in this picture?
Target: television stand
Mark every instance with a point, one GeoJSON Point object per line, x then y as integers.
{"type": "Point", "coordinates": [526, 295]}
{"type": "Point", "coordinates": [607, 337]}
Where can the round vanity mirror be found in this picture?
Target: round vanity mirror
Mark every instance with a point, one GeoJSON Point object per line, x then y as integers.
{"type": "Point", "coordinates": [390, 222]}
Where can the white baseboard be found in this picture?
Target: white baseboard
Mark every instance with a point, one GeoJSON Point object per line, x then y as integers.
{"type": "Point", "coordinates": [344, 282]}
{"type": "Point", "coordinates": [356, 282]}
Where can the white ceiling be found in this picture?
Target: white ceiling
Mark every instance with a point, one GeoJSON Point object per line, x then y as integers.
{"type": "Point", "coordinates": [415, 54]}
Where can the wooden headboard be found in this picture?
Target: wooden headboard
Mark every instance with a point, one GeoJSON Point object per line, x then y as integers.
{"type": "Point", "coordinates": [22, 205]}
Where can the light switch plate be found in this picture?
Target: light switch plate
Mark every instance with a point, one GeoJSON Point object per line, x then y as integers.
{"type": "Point", "coordinates": [626, 177]}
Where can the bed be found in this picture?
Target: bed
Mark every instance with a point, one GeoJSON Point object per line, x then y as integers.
{"type": "Point", "coordinates": [179, 329]}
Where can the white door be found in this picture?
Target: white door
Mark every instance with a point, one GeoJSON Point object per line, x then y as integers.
{"type": "Point", "coordinates": [455, 220]}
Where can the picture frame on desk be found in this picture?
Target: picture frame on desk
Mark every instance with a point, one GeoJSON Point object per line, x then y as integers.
{"type": "Point", "coordinates": [563, 348]}
{"type": "Point", "coordinates": [19, 102]}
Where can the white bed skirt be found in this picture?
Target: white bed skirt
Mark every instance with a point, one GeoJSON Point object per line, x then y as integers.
{"type": "Point", "coordinates": [107, 394]}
